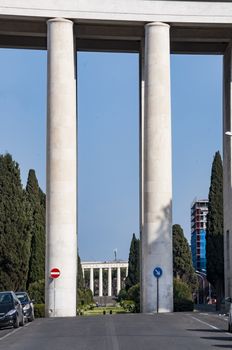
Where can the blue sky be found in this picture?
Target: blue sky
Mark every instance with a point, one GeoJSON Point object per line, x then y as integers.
{"type": "Point", "coordinates": [108, 112]}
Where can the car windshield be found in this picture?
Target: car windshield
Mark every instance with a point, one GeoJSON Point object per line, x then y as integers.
{"type": "Point", "coordinates": [22, 297]}
{"type": "Point", "coordinates": [5, 298]}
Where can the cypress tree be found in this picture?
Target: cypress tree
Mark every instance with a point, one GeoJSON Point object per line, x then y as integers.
{"type": "Point", "coordinates": [36, 198]}
{"type": "Point", "coordinates": [182, 260]}
{"type": "Point", "coordinates": [80, 280]}
{"type": "Point", "coordinates": [15, 227]}
{"type": "Point", "coordinates": [133, 264]}
{"type": "Point", "coordinates": [214, 231]}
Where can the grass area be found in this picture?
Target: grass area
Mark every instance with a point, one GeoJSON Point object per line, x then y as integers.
{"type": "Point", "coordinates": [99, 311]}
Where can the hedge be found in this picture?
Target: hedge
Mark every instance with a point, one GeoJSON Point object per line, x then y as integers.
{"type": "Point", "coordinates": [183, 305]}
{"type": "Point", "coordinates": [39, 310]}
{"type": "Point", "coordinates": [36, 291]}
{"type": "Point", "coordinates": [182, 296]}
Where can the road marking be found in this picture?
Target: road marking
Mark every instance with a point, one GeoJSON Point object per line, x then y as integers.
{"type": "Point", "coordinates": [14, 331]}
{"type": "Point", "coordinates": [210, 325]}
{"type": "Point", "coordinates": [205, 323]}
{"type": "Point", "coordinates": [8, 334]}
{"type": "Point", "coordinates": [26, 325]}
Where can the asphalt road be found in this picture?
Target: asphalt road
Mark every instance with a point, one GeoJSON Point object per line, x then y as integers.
{"type": "Point", "coordinates": [187, 331]}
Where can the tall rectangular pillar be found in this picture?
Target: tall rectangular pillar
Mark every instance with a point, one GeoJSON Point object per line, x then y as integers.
{"type": "Point", "coordinates": [156, 235]}
{"type": "Point", "coordinates": [227, 168]}
{"type": "Point", "coordinates": [141, 162]}
{"type": "Point", "coordinates": [109, 282]}
{"type": "Point", "coordinates": [100, 282]}
{"type": "Point", "coordinates": [92, 280]}
{"type": "Point", "coordinates": [61, 228]}
{"type": "Point", "coordinates": [118, 279]}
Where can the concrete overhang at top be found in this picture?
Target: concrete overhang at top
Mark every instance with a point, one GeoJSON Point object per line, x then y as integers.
{"type": "Point", "coordinates": [118, 25]}
{"type": "Point", "coordinates": [209, 12]}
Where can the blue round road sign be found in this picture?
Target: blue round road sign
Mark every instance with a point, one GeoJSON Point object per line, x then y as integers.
{"type": "Point", "coordinates": [157, 272]}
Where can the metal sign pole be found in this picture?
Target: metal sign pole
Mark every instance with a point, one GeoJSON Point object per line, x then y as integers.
{"type": "Point", "coordinates": [54, 274]}
{"type": "Point", "coordinates": [157, 272]}
{"type": "Point", "coordinates": [54, 280]}
{"type": "Point", "coordinates": [157, 296]}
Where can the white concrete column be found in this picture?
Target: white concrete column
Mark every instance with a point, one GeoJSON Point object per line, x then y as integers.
{"type": "Point", "coordinates": [227, 170]}
{"type": "Point", "coordinates": [92, 280]}
{"type": "Point", "coordinates": [61, 228]}
{"type": "Point", "coordinates": [109, 282]}
{"type": "Point", "coordinates": [141, 158]}
{"type": "Point", "coordinates": [100, 282]}
{"type": "Point", "coordinates": [118, 279]}
{"type": "Point", "coordinates": [157, 171]}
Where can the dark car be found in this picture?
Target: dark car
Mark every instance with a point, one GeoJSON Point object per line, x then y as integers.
{"type": "Point", "coordinates": [27, 304]}
{"type": "Point", "coordinates": [11, 310]}
{"type": "Point", "coordinates": [228, 310]}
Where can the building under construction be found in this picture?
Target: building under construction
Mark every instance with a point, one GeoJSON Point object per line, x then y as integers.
{"type": "Point", "coordinates": [199, 211]}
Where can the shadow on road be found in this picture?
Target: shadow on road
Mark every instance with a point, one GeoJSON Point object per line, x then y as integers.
{"type": "Point", "coordinates": [218, 338]}
{"type": "Point", "coordinates": [206, 330]}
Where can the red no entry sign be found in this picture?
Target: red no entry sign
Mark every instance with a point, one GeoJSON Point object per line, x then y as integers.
{"type": "Point", "coordinates": [55, 272]}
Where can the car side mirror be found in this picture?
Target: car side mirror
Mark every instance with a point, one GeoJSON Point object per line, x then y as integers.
{"type": "Point", "coordinates": [228, 300]}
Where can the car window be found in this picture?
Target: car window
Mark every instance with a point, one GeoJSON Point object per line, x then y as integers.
{"type": "Point", "coordinates": [5, 298]}
{"type": "Point", "coordinates": [22, 297]}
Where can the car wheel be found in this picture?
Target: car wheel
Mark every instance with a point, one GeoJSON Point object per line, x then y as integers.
{"type": "Point", "coordinates": [32, 317]}
{"type": "Point", "coordinates": [229, 327]}
{"type": "Point", "coordinates": [16, 324]}
{"type": "Point", "coordinates": [21, 323]}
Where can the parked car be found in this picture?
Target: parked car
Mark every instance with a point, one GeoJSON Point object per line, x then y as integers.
{"type": "Point", "coordinates": [228, 300]}
{"type": "Point", "coordinates": [27, 304]}
{"type": "Point", "coordinates": [11, 310]}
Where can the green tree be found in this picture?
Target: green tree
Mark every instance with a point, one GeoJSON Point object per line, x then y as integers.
{"type": "Point", "coordinates": [122, 295]}
{"type": "Point", "coordinates": [84, 297]}
{"type": "Point", "coordinates": [182, 296]}
{"type": "Point", "coordinates": [36, 291]}
{"type": "Point", "coordinates": [37, 199]}
{"type": "Point", "coordinates": [15, 227]}
{"type": "Point", "coordinates": [214, 232]}
{"type": "Point", "coordinates": [80, 280]}
{"type": "Point", "coordinates": [133, 264]}
{"type": "Point", "coordinates": [134, 294]}
{"type": "Point", "coordinates": [182, 260]}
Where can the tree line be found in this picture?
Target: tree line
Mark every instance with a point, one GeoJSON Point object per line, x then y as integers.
{"type": "Point", "coordinates": [22, 228]}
